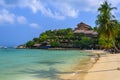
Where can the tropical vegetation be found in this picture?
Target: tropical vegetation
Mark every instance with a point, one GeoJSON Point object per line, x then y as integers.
{"type": "Point", "coordinates": [107, 26]}
{"type": "Point", "coordinates": [62, 38]}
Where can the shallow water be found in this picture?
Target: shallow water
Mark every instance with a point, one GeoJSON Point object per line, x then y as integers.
{"type": "Point", "coordinates": [28, 64]}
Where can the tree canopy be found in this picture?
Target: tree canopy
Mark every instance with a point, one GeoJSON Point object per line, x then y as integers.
{"type": "Point", "coordinates": [107, 25]}
{"type": "Point", "coordinates": [62, 38]}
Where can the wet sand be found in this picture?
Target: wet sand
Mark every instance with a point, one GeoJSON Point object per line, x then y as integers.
{"type": "Point", "coordinates": [80, 70]}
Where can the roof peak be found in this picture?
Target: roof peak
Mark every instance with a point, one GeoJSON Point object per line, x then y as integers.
{"type": "Point", "coordinates": [83, 26]}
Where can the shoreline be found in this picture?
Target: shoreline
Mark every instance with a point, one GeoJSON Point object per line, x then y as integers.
{"type": "Point", "coordinates": [81, 69]}
{"type": "Point", "coordinates": [59, 49]}
{"type": "Point", "coordinates": [77, 71]}
{"type": "Point", "coordinates": [106, 68]}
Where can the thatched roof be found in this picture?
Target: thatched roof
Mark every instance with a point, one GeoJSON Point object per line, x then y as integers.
{"type": "Point", "coordinates": [91, 32]}
{"type": "Point", "coordinates": [36, 45]}
{"type": "Point", "coordinates": [79, 31]}
{"type": "Point", "coordinates": [83, 28]}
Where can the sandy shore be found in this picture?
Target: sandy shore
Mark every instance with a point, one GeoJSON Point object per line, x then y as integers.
{"type": "Point", "coordinates": [78, 72]}
{"type": "Point", "coordinates": [81, 68]}
{"type": "Point", "coordinates": [106, 68]}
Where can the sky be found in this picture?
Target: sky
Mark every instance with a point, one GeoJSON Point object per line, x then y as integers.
{"type": "Point", "coordinates": [23, 20]}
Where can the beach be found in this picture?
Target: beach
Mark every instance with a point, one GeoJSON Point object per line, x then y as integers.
{"type": "Point", "coordinates": [81, 68]}
{"type": "Point", "coordinates": [106, 68]}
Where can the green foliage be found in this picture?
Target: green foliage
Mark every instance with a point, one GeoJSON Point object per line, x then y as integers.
{"type": "Point", "coordinates": [54, 37]}
{"type": "Point", "coordinates": [86, 42]}
{"type": "Point", "coordinates": [36, 40]}
{"type": "Point", "coordinates": [106, 25]}
{"type": "Point", "coordinates": [95, 29]}
{"type": "Point", "coordinates": [30, 43]}
{"type": "Point", "coordinates": [104, 43]}
{"type": "Point", "coordinates": [62, 38]}
{"type": "Point", "coordinates": [43, 37]}
{"type": "Point", "coordinates": [55, 44]}
{"type": "Point", "coordinates": [77, 43]}
{"type": "Point", "coordinates": [117, 38]}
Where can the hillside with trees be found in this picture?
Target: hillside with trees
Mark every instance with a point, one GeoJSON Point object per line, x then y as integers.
{"type": "Point", "coordinates": [85, 37]}
{"type": "Point", "coordinates": [62, 38]}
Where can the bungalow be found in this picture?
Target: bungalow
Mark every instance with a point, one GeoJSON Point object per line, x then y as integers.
{"type": "Point", "coordinates": [86, 30]}
{"type": "Point", "coordinates": [21, 47]}
{"type": "Point", "coordinates": [36, 45]}
{"type": "Point", "coordinates": [42, 45]}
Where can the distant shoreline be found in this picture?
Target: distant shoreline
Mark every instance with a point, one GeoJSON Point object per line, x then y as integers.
{"type": "Point", "coordinates": [59, 49]}
{"type": "Point", "coordinates": [64, 49]}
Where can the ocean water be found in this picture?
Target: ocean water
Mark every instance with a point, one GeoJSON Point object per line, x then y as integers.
{"type": "Point", "coordinates": [36, 64]}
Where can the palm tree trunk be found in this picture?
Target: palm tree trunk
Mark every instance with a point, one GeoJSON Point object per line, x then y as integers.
{"type": "Point", "coordinates": [117, 50]}
{"type": "Point", "coordinates": [118, 46]}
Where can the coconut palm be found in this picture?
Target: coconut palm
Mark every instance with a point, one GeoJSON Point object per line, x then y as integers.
{"type": "Point", "coordinates": [117, 39]}
{"type": "Point", "coordinates": [107, 24]}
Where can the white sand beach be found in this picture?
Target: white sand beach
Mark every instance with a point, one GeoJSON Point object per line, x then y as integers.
{"type": "Point", "coordinates": [106, 68]}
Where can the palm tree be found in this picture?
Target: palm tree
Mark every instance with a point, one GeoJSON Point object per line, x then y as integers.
{"type": "Point", "coordinates": [117, 39]}
{"type": "Point", "coordinates": [106, 24]}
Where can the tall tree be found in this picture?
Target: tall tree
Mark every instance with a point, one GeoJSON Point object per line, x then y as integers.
{"type": "Point", "coordinates": [118, 37]}
{"type": "Point", "coordinates": [106, 23]}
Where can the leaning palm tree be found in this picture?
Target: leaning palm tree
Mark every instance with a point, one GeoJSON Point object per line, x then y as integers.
{"type": "Point", "coordinates": [106, 24]}
{"type": "Point", "coordinates": [117, 39]}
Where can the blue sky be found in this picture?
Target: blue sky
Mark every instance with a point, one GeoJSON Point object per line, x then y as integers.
{"type": "Point", "coordinates": [22, 20]}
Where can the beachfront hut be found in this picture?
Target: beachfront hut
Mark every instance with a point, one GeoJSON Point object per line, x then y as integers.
{"type": "Point", "coordinates": [36, 45]}
{"type": "Point", "coordinates": [21, 47]}
{"type": "Point", "coordinates": [45, 45]}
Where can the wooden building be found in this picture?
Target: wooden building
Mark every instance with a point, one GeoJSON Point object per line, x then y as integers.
{"type": "Point", "coordinates": [85, 30]}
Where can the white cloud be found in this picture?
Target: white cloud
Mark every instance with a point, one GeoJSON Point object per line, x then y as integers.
{"type": "Point", "coordinates": [7, 17]}
{"type": "Point", "coordinates": [34, 25]}
{"type": "Point", "coordinates": [59, 9]}
{"type": "Point", "coordinates": [61, 12]}
{"type": "Point", "coordinates": [37, 5]}
{"type": "Point", "coordinates": [10, 18]}
{"type": "Point", "coordinates": [65, 9]}
{"type": "Point", "coordinates": [21, 20]}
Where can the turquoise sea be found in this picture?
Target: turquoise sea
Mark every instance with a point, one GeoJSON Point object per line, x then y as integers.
{"type": "Point", "coordinates": [36, 64]}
